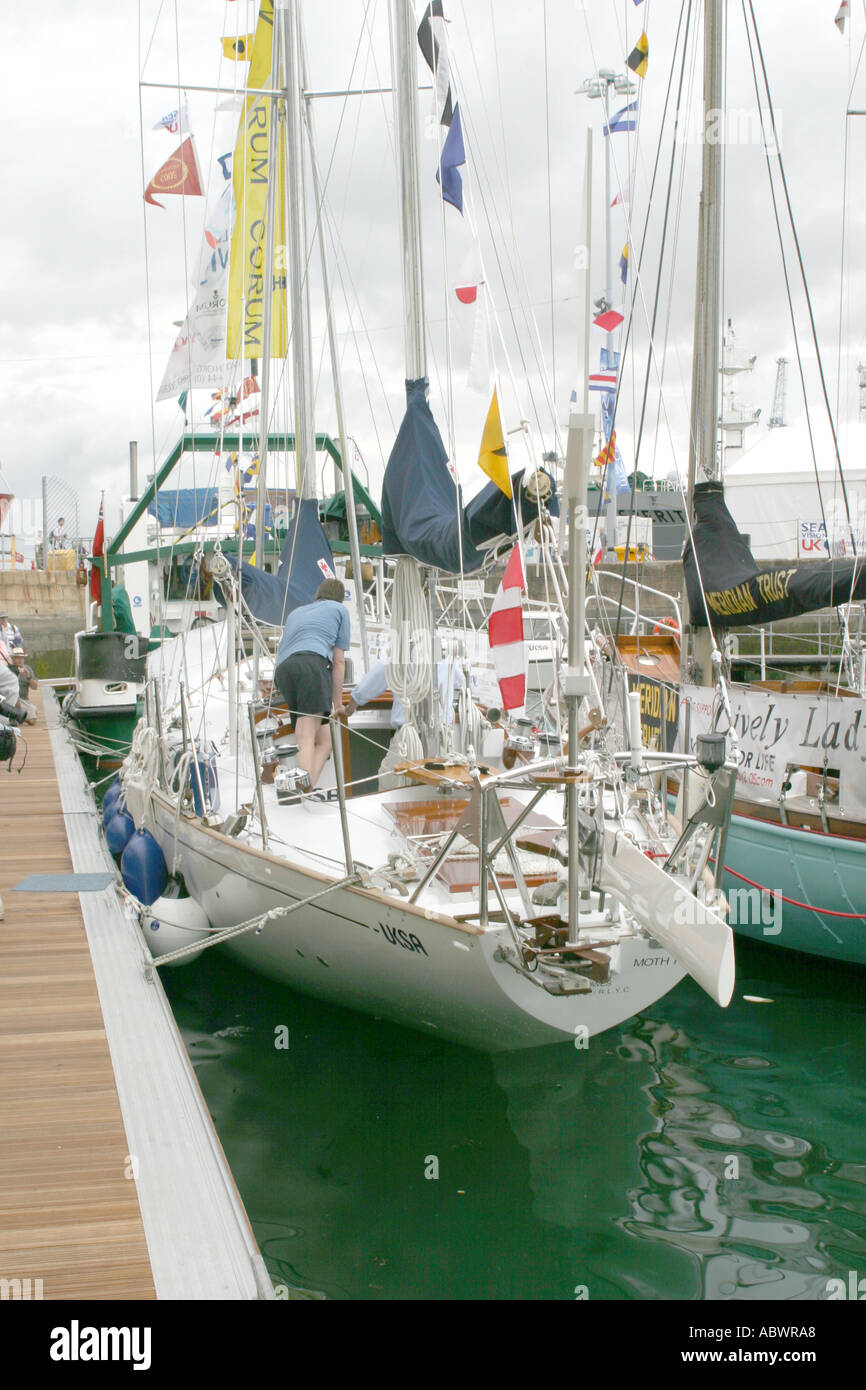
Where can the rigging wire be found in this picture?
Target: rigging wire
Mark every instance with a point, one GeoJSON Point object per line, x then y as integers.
{"type": "Point", "coordinates": [796, 240]}
{"type": "Point", "coordinates": [789, 295]}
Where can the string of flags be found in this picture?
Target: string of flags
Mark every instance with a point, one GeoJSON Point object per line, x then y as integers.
{"type": "Point", "coordinates": [609, 319]}
{"type": "Point", "coordinates": [433, 42]}
{"type": "Point", "coordinates": [432, 34]}
{"type": "Point", "coordinates": [605, 380]}
{"type": "Point", "coordinates": [224, 409]}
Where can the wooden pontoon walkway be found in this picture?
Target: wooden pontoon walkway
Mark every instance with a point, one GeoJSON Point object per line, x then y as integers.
{"type": "Point", "coordinates": [71, 1191]}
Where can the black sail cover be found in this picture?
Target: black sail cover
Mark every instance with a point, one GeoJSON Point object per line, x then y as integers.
{"type": "Point", "coordinates": [422, 505]}
{"type": "Point", "coordinates": [305, 560]}
{"type": "Point", "coordinates": [737, 592]}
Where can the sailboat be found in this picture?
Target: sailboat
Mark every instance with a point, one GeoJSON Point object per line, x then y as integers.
{"type": "Point", "coordinates": [499, 909]}
{"type": "Point", "coordinates": [795, 873]}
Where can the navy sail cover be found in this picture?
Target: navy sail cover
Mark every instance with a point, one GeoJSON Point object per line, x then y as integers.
{"type": "Point", "coordinates": [422, 505]}
{"type": "Point", "coordinates": [422, 509]}
{"type": "Point", "coordinates": [305, 560]}
{"type": "Point", "coordinates": [737, 592]}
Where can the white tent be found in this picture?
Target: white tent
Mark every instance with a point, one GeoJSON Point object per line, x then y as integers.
{"type": "Point", "coordinates": [773, 496]}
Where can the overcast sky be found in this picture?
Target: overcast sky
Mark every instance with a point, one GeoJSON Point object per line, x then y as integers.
{"type": "Point", "coordinates": [88, 308]}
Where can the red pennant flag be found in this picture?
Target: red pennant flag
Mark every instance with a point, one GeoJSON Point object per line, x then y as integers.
{"type": "Point", "coordinates": [98, 549]}
{"type": "Point", "coordinates": [180, 174]}
{"type": "Point", "coordinates": [609, 320]}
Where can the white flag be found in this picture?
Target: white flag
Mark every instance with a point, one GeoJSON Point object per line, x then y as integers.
{"type": "Point", "coordinates": [198, 357]}
{"type": "Point", "coordinates": [174, 121]}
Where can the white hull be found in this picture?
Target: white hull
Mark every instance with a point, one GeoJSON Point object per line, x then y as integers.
{"type": "Point", "coordinates": [367, 950]}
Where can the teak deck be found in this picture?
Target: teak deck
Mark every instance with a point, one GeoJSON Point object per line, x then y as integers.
{"type": "Point", "coordinates": [69, 1211]}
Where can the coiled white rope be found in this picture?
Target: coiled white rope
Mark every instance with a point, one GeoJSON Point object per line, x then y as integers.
{"type": "Point", "coordinates": [409, 669]}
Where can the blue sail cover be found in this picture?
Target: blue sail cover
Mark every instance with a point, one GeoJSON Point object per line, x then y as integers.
{"type": "Point", "coordinates": [491, 513]}
{"type": "Point", "coordinates": [422, 509]}
{"type": "Point", "coordinates": [185, 506]}
{"type": "Point", "coordinates": [305, 560]}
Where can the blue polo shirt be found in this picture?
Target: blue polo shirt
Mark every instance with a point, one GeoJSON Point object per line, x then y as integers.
{"type": "Point", "coordinates": [316, 627]}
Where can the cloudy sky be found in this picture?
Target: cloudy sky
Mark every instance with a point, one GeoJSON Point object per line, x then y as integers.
{"type": "Point", "coordinates": [94, 280]}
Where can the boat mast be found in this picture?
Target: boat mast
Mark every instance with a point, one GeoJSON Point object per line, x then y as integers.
{"type": "Point", "coordinates": [347, 471]}
{"type": "Point", "coordinates": [576, 684]}
{"type": "Point", "coordinates": [406, 135]}
{"type": "Point", "coordinates": [703, 458]}
{"type": "Point", "coordinates": [267, 316]}
{"type": "Point", "coordinates": [406, 126]}
{"type": "Point", "coordinates": [296, 223]}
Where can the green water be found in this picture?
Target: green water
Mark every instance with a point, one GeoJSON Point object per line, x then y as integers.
{"type": "Point", "coordinates": [694, 1153]}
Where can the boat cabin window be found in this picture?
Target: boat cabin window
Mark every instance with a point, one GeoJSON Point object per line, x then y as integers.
{"type": "Point", "coordinates": [183, 579]}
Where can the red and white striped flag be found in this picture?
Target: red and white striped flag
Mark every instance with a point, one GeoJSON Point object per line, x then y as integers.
{"type": "Point", "coordinates": [505, 633]}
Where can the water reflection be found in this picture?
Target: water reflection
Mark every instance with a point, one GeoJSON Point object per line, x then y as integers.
{"type": "Point", "coordinates": [691, 1154]}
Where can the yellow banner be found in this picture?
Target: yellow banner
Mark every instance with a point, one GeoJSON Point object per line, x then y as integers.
{"type": "Point", "coordinates": [245, 332]}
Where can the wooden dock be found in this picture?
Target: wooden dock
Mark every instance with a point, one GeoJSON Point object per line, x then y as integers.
{"type": "Point", "coordinates": [69, 1212]}
{"type": "Point", "coordinates": [93, 1134]}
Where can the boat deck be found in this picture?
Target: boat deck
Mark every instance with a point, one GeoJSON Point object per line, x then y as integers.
{"type": "Point", "coordinates": [95, 1129]}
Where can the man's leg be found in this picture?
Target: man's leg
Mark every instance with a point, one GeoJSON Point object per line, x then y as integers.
{"type": "Point", "coordinates": [314, 745]}
{"type": "Point", "coordinates": [322, 751]}
{"type": "Point", "coordinates": [306, 726]}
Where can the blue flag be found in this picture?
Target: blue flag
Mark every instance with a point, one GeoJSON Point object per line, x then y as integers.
{"type": "Point", "coordinates": [619, 473]}
{"type": "Point", "coordinates": [621, 120]}
{"type": "Point", "coordinates": [453, 155]}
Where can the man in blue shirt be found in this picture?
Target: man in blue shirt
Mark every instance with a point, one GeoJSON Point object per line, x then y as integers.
{"type": "Point", "coordinates": [310, 669]}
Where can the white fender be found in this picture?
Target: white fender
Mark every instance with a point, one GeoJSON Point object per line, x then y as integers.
{"type": "Point", "coordinates": [170, 923]}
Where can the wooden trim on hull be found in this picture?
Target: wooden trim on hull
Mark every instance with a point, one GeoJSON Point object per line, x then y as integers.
{"type": "Point", "coordinates": [800, 820]}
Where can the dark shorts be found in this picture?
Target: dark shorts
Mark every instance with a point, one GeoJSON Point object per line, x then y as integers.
{"type": "Point", "coordinates": [306, 684]}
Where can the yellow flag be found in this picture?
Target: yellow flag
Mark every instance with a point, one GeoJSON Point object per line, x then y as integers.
{"type": "Point", "coordinates": [638, 59]}
{"type": "Point", "coordinates": [245, 331]}
{"type": "Point", "coordinates": [238, 49]}
{"type": "Point", "coordinates": [493, 457]}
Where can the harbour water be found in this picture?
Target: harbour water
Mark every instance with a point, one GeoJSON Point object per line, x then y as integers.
{"type": "Point", "coordinates": [693, 1154]}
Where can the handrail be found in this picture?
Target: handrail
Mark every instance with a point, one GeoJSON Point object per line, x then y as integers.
{"type": "Point", "coordinates": [639, 587]}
